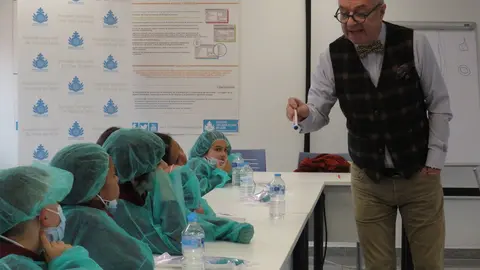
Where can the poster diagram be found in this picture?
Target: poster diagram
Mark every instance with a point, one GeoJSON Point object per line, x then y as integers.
{"type": "Point", "coordinates": [216, 16]}
{"type": "Point", "coordinates": [225, 33]}
{"type": "Point", "coordinates": [210, 51]}
{"type": "Point", "coordinates": [221, 34]}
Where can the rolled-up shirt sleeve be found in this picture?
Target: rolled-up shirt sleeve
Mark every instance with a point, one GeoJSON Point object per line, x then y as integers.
{"type": "Point", "coordinates": [436, 99]}
{"type": "Point", "coordinates": [321, 96]}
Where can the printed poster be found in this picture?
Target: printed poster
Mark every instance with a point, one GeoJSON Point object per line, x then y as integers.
{"type": "Point", "coordinates": [185, 63]}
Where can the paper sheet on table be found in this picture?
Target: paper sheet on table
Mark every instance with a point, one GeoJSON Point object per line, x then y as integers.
{"type": "Point", "coordinates": [210, 262]}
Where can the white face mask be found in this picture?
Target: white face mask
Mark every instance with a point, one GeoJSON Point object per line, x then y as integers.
{"type": "Point", "coordinates": [212, 161]}
{"type": "Point", "coordinates": [55, 234]}
{"type": "Point", "coordinates": [110, 205]}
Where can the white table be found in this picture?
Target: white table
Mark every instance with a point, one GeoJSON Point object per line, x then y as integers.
{"type": "Point", "coordinates": [303, 192]}
{"type": "Point", "coordinates": [274, 241]}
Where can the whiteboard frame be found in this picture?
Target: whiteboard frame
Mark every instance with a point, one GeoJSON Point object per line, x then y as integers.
{"type": "Point", "coordinates": [15, 37]}
{"type": "Point", "coordinates": [436, 26]}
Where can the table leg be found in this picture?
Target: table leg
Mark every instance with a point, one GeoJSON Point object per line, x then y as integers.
{"type": "Point", "coordinates": [407, 262]}
{"type": "Point", "coordinates": [300, 252]}
{"type": "Point", "coordinates": [359, 257]}
{"type": "Point", "coordinates": [318, 222]}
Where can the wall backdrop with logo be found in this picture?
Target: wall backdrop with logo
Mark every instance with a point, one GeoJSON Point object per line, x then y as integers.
{"type": "Point", "coordinates": [74, 73]}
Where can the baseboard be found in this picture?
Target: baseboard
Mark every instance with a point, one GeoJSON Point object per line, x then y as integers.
{"type": "Point", "coordinates": [350, 249]}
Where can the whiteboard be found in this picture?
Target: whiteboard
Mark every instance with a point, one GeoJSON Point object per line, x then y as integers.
{"type": "Point", "coordinates": [456, 53]}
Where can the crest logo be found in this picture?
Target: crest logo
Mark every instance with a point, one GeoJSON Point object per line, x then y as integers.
{"type": "Point", "coordinates": [110, 19]}
{"type": "Point", "coordinates": [40, 153]}
{"type": "Point", "coordinates": [110, 108]}
{"type": "Point", "coordinates": [40, 108]}
{"type": "Point", "coordinates": [40, 62]}
{"type": "Point", "coordinates": [77, 2]}
{"type": "Point", "coordinates": [76, 131]}
{"type": "Point", "coordinates": [40, 17]}
{"type": "Point", "coordinates": [75, 86]}
{"type": "Point", "coordinates": [75, 41]}
{"type": "Point", "coordinates": [110, 64]}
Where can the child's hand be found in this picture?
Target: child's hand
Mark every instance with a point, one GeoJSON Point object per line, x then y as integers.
{"type": "Point", "coordinates": [199, 210]}
{"type": "Point", "coordinates": [52, 249]}
{"type": "Point", "coordinates": [170, 168]}
{"type": "Point", "coordinates": [224, 165]}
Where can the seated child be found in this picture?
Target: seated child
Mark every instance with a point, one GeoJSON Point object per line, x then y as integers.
{"type": "Point", "coordinates": [103, 137]}
{"type": "Point", "coordinates": [209, 160]}
{"type": "Point", "coordinates": [32, 223]}
{"type": "Point", "coordinates": [175, 159]}
{"type": "Point", "coordinates": [174, 154]}
{"type": "Point", "coordinates": [90, 206]}
{"type": "Point", "coordinates": [151, 208]}
{"type": "Point", "coordinates": [216, 228]}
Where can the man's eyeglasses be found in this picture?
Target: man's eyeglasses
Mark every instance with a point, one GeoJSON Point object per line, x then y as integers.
{"type": "Point", "coordinates": [358, 17]}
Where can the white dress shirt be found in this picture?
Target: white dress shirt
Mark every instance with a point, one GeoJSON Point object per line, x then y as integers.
{"type": "Point", "coordinates": [321, 96]}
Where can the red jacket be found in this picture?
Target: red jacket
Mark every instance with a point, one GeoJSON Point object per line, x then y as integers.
{"type": "Point", "coordinates": [324, 163]}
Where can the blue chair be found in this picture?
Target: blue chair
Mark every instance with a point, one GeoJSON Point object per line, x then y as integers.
{"type": "Point", "coordinates": [256, 158]}
{"type": "Point", "coordinates": [304, 155]}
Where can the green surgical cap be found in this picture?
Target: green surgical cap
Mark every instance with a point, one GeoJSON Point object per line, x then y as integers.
{"type": "Point", "coordinates": [205, 141]}
{"type": "Point", "coordinates": [89, 163]}
{"type": "Point", "coordinates": [26, 190]}
{"type": "Point", "coordinates": [134, 152]}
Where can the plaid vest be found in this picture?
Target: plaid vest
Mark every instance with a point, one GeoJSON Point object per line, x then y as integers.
{"type": "Point", "coordinates": [391, 115]}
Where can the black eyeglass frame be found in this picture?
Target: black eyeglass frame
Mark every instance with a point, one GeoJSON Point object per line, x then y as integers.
{"type": "Point", "coordinates": [362, 14]}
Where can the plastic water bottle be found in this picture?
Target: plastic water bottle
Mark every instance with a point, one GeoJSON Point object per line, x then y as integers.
{"type": "Point", "coordinates": [193, 244]}
{"type": "Point", "coordinates": [277, 197]}
{"type": "Point", "coordinates": [237, 164]}
{"type": "Point", "coordinates": [247, 185]}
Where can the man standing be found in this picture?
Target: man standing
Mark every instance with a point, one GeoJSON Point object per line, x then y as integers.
{"type": "Point", "coordinates": [397, 107]}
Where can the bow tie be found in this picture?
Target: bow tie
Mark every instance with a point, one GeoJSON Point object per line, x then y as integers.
{"type": "Point", "coordinates": [375, 47]}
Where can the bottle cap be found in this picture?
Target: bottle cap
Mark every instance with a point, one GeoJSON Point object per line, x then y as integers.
{"type": "Point", "coordinates": [277, 175]}
{"type": "Point", "coordinates": [192, 217]}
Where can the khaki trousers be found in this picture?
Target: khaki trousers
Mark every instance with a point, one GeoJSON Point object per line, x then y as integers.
{"type": "Point", "coordinates": [420, 203]}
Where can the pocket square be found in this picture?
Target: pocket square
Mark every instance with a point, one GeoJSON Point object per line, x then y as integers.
{"type": "Point", "coordinates": [403, 72]}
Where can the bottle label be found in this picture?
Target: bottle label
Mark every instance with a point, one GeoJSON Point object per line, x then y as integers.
{"type": "Point", "coordinates": [193, 242]}
{"type": "Point", "coordinates": [234, 164]}
{"type": "Point", "coordinates": [246, 179]}
{"type": "Point", "coordinates": [277, 189]}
